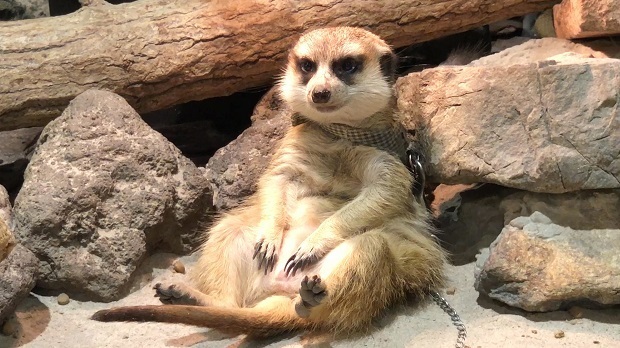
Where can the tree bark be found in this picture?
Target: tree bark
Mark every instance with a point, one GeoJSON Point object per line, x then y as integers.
{"type": "Point", "coordinates": [158, 53]}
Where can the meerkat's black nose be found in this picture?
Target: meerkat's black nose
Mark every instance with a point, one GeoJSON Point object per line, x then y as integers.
{"type": "Point", "coordinates": [321, 97]}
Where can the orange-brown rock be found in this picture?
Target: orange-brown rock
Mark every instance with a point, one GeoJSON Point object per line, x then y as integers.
{"type": "Point", "coordinates": [586, 18]}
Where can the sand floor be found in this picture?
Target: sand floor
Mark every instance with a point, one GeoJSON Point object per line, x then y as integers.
{"type": "Point", "coordinates": [43, 323]}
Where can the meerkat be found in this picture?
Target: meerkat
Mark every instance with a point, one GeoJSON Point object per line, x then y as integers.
{"type": "Point", "coordinates": [333, 235]}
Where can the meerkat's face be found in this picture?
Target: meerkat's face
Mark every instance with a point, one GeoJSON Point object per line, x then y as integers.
{"type": "Point", "coordinates": [339, 75]}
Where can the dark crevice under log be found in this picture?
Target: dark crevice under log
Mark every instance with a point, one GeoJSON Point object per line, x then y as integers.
{"type": "Point", "coordinates": [159, 53]}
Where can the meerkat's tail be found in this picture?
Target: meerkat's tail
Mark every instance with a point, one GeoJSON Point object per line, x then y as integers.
{"type": "Point", "coordinates": [253, 322]}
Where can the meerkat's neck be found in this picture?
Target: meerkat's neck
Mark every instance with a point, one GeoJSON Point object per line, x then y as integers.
{"type": "Point", "coordinates": [381, 130]}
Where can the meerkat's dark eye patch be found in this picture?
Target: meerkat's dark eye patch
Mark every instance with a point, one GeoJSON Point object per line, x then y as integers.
{"type": "Point", "coordinates": [388, 63]}
{"type": "Point", "coordinates": [307, 68]}
{"type": "Point", "coordinates": [346, 67]}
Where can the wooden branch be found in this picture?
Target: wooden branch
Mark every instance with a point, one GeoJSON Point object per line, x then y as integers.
{"type": "Point", "coordinates": [158, 53]}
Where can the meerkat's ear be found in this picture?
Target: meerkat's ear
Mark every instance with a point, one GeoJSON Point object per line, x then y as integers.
{"type": "Point", "coordinates": [389, 63]}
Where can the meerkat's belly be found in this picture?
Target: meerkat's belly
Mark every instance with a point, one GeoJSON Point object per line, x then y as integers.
{"type": "Point", "coordinates": [305, 216]}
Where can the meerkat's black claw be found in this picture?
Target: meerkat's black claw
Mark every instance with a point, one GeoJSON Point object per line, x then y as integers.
{"type": "Point", "coordinates": [266, 255]}
{"type": "Point", "coordinates": [257, 248]}
{"type": "Point", "coordinates": [299, 263]}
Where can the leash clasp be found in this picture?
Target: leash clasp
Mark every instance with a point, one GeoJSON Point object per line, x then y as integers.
{"type": "Point", "coordinates": [414, 161]}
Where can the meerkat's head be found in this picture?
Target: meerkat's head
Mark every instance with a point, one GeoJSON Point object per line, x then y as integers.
{"type": "Point", "coordinates": [339, 75]}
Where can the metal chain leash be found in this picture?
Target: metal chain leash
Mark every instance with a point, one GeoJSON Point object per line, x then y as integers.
{"type": "Point", "coordinates": [417, 171]}
{"type": "Point", "coordinates": [454, 316]}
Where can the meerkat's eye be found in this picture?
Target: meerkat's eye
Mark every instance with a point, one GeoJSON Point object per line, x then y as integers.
{"type": "Point", "coordinates": [307, 66]}
{"type": "Point", "coordinates": [346, 66]}
{"type": "Point", "coordinates": [349, 65]}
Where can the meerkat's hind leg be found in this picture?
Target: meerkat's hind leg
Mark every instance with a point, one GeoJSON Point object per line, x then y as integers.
{"type": "Point", "coordinates": [225, 270]}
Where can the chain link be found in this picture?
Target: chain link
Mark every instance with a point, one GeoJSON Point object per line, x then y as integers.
{"type": "Point", "coordinates": [454, 316]}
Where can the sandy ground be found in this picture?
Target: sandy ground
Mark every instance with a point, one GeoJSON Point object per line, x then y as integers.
{"type": "Point", "coordinates": [42, 322]}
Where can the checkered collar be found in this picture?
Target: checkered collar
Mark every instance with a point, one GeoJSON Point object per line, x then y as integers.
{"type": "Point", "coordinates": [392, 139]}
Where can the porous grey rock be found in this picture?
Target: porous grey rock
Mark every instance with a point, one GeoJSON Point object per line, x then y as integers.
{"type": "Point", "coordinates": [539, 266]}
{"type": "Point", "coordinates": [16, 148]}
{"type": "Point", "coordinates": [17, 279]}
{"type": "Point", "coordinates": [551, 126]}
{"type": "Point", "coordinates": [233, 170]}
{"type": "Point", "coordinates": [24, 9]}
{"type": "Point", "coordinates": [103, 189]}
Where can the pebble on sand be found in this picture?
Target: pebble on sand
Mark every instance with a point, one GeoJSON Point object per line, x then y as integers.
{"type": "Point", "coordinates": [178, 266]}
{"type": "Point", "coordinates": [63, 299]}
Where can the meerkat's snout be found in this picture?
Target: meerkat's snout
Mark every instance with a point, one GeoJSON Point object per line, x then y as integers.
{"type": "Point", "coordinates": [321, 96]}
{"type": "Point", "coordinates": [338, 76]}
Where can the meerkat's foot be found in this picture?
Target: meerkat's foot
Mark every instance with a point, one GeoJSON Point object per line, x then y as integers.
{"type": "Point", "coordinates": [312, 293]}
{"type": "Point", "coordinates": [178, 294]}
{"type": "Point", "coordinates": [265, 253]}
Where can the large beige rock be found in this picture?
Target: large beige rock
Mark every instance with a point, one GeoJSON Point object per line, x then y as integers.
{"type": "Point", "coordinates": [551, 126]}
{"type": "Point", "coordinates": [539, 266]}
{"type": "Point", "coordinates": [586, 18]}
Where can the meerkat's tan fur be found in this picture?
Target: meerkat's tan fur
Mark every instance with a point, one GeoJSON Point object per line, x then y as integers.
{"type": "Point", "coordinates": [339, 219]}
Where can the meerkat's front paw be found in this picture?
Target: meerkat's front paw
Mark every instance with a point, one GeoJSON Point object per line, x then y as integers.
{"type": "Point", "coordinates": [301, 259]}
{"type": "Point", "coordinates": [311, 250]}
{"type": "Point", "coordinates": [266, 253]}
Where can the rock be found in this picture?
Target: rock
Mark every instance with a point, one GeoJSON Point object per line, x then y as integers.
{"type": "Point", "coordinates": [531, 51]}
{"type": "Point", "coordinates": [586, 18]}
{"type": "Point", "coordinates": [470, 218]}
{"type": "Point", "coordinates": [17, 278]}
{"type": "Point", "coordinates": [581, 210]}
{"type": "Point", "coordinates": [6, 240]}
{"type": "Point", "coordinates": [16, 148]}
{"type": "Point", "coordinates": [23, 9]}
{"type": "Point", "coordinates": [5, 206]}
{"type": "Point", "coordinates": [234, 169]}
{"type": "Point", "coordinates": [6, 237]}
{"type": "Point", "coordinates": [178, 266]}
{"type": "Point", "coordinates": [63, 299]}
{"type": "Point", "coordinates": [35, 8]}
{"type": "Point", "coordinates": [551, 126]}
{"type": "Point", "coordinates": [101, 190]}
{"type": "Point", "coordinates": [545, 267]}
{"type": "Point", "coordinates": [544, 24]}
{"type": "Point", "coordinates": [558, 334]}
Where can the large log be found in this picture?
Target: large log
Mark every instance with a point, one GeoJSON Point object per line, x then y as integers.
{"type": "Point", "coordinates": [158, 53]}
